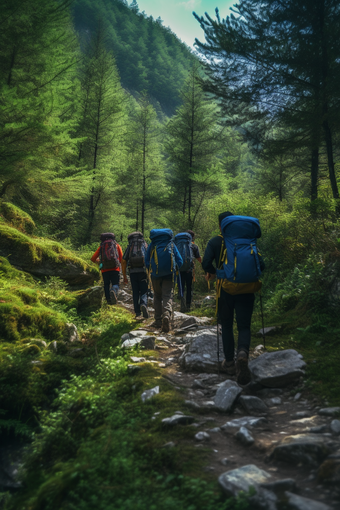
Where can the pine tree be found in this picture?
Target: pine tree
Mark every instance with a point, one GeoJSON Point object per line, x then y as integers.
{"type": "Point", "coordinates": [194, 142]}
{"type": "Point", "coordinates": [101, 126]}
{"type": "Point", "coordinates": [281, 60]}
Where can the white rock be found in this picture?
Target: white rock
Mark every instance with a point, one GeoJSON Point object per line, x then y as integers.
{"type": "Point", "coordinates": [244, 436]}
{"type": "Point", "coordinates": [246, 421]}
{"type": "Point", "coordinates": [335, 427]}
{"type": "Point", "coordinates": [277, 369]}
{"type": "Point", "coordinates": [202, 436]}
{"type": "Point", "coordinates": [147, 394]}
{"type": "Point", "coordinates": [226, 395]}
{"type": "Point", "coordinates": [241, 479]}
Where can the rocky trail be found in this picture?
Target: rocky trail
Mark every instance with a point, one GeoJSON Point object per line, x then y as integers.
{"type": "Point", "coordinates": [271, 434]}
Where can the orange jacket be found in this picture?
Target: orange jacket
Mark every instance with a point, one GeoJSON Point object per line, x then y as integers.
{"type": "Point", "coordinates": [120, 255]}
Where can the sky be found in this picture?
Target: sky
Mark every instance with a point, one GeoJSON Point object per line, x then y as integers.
{"type": "Point", "coordinates": [177, 14]}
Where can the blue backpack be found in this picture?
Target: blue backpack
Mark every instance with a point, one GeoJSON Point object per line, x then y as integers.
{"type": "Point", "coordinates": [241, 262]}
{"type": "Point", "coordinates": [162, 262]}
{"type": "Point", "coordinates": [183, 241]}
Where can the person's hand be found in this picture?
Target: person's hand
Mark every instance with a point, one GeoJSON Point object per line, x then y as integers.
{"type": "Point", "coordinates": [98, 260]}
{"type": "Point", "coordinates": [125, 281]}
{"type": "Point", "coordinates": [209, 276]}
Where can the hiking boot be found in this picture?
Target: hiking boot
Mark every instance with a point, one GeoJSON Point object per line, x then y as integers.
{"type": "Point", "coordinates": [113, 297]}
{"type": "Point", "coordinates": [229, 367]}
{"type": "Point", "coordinates": [165, 325]}
{"type": "Point", "coordinates": [183, 308]}
{"type": "Point", "coordinates": [144, 312]}
{"type": "Point", "coordinates": [156, 324]}
{"type": "Point", "coordinates": [243, 373]}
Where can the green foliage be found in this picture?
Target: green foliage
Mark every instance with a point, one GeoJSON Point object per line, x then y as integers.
{"type": "Point", "coordinates": [17, 218]}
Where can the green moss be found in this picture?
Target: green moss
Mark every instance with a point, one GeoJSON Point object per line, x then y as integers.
{"type": "Point", "coordinates": [35, 250]}
{"type": "Point", "coordinates": [17, 218]}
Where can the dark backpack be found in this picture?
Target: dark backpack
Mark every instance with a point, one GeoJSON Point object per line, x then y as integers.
{"type": "Point", "coordinates": [137, 250]}
{"type": "Point", "coordinates": [241, 263]}
{"type": "Point", "coordinates": [162, 262]}
{"type": "Point", "coordinates": [183, 241]}
{"type": "Point", "coordinates": [108, 252]}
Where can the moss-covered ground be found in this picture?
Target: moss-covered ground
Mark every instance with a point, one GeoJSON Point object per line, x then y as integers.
{"type": "Point", "coordinates": [92, 442]}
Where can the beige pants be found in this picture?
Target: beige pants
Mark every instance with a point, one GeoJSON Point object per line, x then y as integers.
{"type": "Point", "coordinates": [162, 298]}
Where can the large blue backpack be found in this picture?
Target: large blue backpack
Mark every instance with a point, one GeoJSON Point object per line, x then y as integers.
{"type": "Point", "coordinates": [241, 262]}
{"type": "Point", "coordinates": [162, 261]}
{"type": "Point", "coordinates": [183, 241]}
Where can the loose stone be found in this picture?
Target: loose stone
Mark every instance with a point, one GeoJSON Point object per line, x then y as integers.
{"type": "Point", "coordinates": [253, 405]}
{"type": "Point", "coordinates": [241, 479]}
{"type": "Point", "coordinates": [226, 395]}
{"type": "Point", "coordinates": [191, 403]}
{"type": "Point", "coordinates": [329, 411]}
{"type": "Point", "coordinates": [147, 394]}
{"type": "Point", "coordinates": [247, 421]}
{"type": "Point", "coordinates": [299, 503]}
{"type": "Point", "coordinates": [300, 414]}
{"type": "Point", "coordinates": [275, 401]}
{"type": "Point", "coordinates": [202, 436]}
{"type": "Point", "coordinates": [297, 397]}
{"type": "Point", "coordinates": [244, 436]}
{"type": "Point", "coordinates": [177, 419]}
{"type": "Point", "coordinates": [335, 427]}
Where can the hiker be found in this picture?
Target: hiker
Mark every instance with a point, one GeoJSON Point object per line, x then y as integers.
{"type": "Point", "coordinates": [109, 256]}
{"type": "Point", "coordinates": [238, 266]}
{"type": "Point", "coordinates": [134, 259]}
{"type": "Point", "coordinates": [162, 259]}
{"type": "Point", "coordinates": [189, 252]}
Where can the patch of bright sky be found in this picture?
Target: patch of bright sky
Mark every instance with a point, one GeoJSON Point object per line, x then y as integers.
{"type": "Point", "coordinates": [177, 14]}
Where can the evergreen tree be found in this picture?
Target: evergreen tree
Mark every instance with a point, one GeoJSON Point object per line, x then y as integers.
{"type": "Point", "coordinates": [38, 53]}
{"type": "Point", "coordinates": [101, 127]}
{"type": "Point", "coordinates": [282, 61]}
{"type": "Point", "coordinates": [194, 142]}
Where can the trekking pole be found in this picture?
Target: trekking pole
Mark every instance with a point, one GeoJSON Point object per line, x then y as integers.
{"type": "Point", "coordinates": [263, 335]}
{"type": "Point", "coordinates": [218, 349]}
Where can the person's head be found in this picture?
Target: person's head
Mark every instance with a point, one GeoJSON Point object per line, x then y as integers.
{"type": "Point", "coordinates": [192, 233]}
{"type": "Point", "coordinates": [222, 216]}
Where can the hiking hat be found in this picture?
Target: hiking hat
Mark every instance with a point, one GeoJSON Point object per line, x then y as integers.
{"type": "Point", "coordinates": [192, 233]}
{"type": "Point", "coordinates": [224, 215]}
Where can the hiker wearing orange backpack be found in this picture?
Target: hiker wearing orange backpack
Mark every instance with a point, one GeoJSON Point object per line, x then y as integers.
{"type": "Point", "coordinates": [109, 255]}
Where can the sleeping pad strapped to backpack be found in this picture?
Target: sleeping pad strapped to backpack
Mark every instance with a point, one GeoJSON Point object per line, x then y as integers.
{"type": "Point", "coordinates": [108, 252]}
{"type": "Point", "coordinates": [240, 271]}
{"type": "Point", "coordinates": [183, 241]}
{"type": "Point", "coordinates": [162, 262]}
{"type": "Point", "coordinates": [137, 250]}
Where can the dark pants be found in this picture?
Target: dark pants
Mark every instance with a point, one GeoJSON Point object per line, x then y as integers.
{"type": "Point", "coordinates": [110, 277]}
{"type": "Point", "coordinates": [139, 284]}
{"type": "Point", "coordinates": [186, 281]}
{"type": "Point", "coordinates": [243, 305]}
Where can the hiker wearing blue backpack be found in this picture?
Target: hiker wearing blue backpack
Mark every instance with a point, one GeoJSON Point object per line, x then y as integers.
{"type": "Point", "coordinates": [238, 266]}
{"type": "Point", "coordinates": [162, 260]}
{"type": "Point", "coordinates": [189, 252]}
{"type": "Point", "coordinates": [134, 259]}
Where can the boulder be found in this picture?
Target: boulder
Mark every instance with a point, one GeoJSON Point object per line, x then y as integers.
{"type": "Point", "coordinates": [90, 299]}
{"type": "Point", "coordinates": [241, 479]}
{"type": "Point", "coordinates": [200, 352]}
{"type": "Point", "coordinates": [147, 394]}
{"type": "Point", "coordinates": [247, 421]}
{"type": "Point", "coordinates": [296, 502]}
{"type": "Point", "coordinates": [253, 405]}
{"type": "Point", "coordinates": [226, 395]}
{"type": "Point", "coordinates": [309, 449]}
{"type": "Point", "coordinates": [277, 369]}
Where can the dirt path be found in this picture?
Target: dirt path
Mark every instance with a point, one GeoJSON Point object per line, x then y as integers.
{"type": "Point", "coordinates": [227, 452]}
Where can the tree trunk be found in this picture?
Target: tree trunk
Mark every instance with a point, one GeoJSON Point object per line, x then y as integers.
{"type": "Point", "coordinates": [314, 174]}
{"type": "Point", "coordinates": [331, 169]}
{"type": "Point", "coordinates": [144, 179]}
{"type": "Point", "coordinates": [137, 215]}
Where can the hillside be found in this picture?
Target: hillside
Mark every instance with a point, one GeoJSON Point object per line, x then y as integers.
{"type": "Point", "coordinates": [149, 56]}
